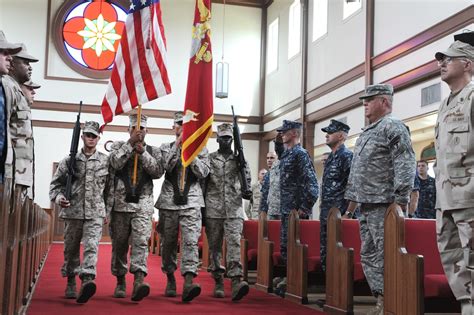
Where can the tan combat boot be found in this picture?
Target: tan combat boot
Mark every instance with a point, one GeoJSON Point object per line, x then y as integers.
{"type": "Point", "coordinates": [141, 289]}
{"type": "Point", "coordinates": [120, 289]}
{"type": "Point", "coordinates": [170, 290]}
{"type": "Point", "coordinates": [239, 289]}
{"type": "Point", "coordinates": [219, 287]}
{"type": "Point", "coordinates": [88, 289]}
{"type": "Point", "coordinates": [378, 309]}
{"type": "Point", "coordinates": [190, 289]}
{"type": "Point", "coordinates": [70, 292]}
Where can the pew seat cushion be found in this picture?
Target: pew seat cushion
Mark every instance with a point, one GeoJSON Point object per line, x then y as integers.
{"type": "Point", "coordinates": [358, 272]}
{"type": "Point", "coordinates": [250, 233]}
{"type": "Point", "coordinates": [314, 264]}
{"type": "Point", "coordinates": [252, 255]}
{"type": "Point", "coordinates": [276, 258]}
{"type": "Point", "coordinates": [437, 286]}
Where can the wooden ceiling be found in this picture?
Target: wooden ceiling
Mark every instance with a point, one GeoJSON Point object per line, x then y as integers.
{"type": "Point", "coordinates": [246, 3]}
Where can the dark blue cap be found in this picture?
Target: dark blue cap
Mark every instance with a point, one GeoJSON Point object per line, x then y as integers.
{"type": "Point", "coordinates": [336, 126]}
{"type": "Point", "coordinates": [289, 124]}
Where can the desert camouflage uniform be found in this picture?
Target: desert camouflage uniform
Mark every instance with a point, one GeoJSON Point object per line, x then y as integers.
{"type": "Point", "coordinates": [382, 172]}
{"type": "Point", "coordinates": [298, 187]}
{"type": "Point", "coordinates": [252, 210]}
{"type": "Point", "coordinates": [224, 213]}
{"type": "Point", "coordinates": [455, 189]}
{"type": "Point", "coordinates": [130, 223]}
{"type": "Point", "coordinates": [270, 198]}
{"type": "Point", "coordinates": [84, 218]}
{"type": "Point", "coordinates": [186, 216]}
{"type": "Point", "coordinates": [21, 132]}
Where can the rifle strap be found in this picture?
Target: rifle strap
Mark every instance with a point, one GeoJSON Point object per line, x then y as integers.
{"type": "Point", "coordinates": [180, 197]}
{"type": "Point", "coordinates": [124, 175]}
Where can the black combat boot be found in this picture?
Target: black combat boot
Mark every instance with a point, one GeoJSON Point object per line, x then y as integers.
{"type": "Point", "coordinates": [141, 289]}
{"type": "Point", "coordinates": [190, 289]}
{"type": "Point", "coordinates": [239, 289]}
{"type": "Point", "coordinates": [219, 287]}
{"type": "Point", "coordinates": [120, 289]}
{"type": "Point", "coordinates": [70, 292]}
{"type": "Point", "coordinates": [88, 289]}
{"type": "Point", "coordinates": [170, 290]}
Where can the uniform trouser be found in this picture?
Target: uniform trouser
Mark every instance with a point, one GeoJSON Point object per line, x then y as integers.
{"type": "Point", "coordinates": [372, 248]}
{"type": "Point", "coordinates": [190, 223]}
{"type": "Point", "coordinates": [216, 230]}
{"type": "Point", "coordinates": [284, 237]}
{"type": "Point", "coordinates": [454, 229]}
{"type": "Point", "coordinates": [274, 217]}
{"type": "Point", "coordinates": [323, 219]}
{"type": "Point", "coordinates": [134, 229]}
{"type": "Point", "coordinates": [90, 232]}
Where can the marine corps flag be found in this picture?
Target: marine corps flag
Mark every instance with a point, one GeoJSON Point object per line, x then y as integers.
{"type": "Point", "coordinates": [198, 108]}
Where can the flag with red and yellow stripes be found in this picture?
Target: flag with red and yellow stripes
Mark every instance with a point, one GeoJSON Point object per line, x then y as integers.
{"type": "Point", "coordinates": [198, 108]}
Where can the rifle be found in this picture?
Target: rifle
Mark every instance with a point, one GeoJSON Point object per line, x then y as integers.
{"type": "Point", "coordinates": [71, 165]}
{"type": "Point", "coordinates": [241, 162]}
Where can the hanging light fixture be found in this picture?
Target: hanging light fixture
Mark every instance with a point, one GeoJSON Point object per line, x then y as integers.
{"type": "Point", "coordinates": [222, 69]}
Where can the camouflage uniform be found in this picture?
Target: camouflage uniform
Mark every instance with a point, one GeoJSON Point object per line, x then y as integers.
{"type": "Point", "coordinates": [335, 176]}
{"type": "Point", "coordinates": [84, 218]}
{"type": "Point", "coordinates": [270, 192]}
{"type": "Point", "coordinates": [427, 201]}
{"type": "Point", "coordinates": [186, 215]}
{"type": "Point", "coordinates": [131, 222]}
{"type": "Point", "coordinates": [382, 172]}
{"type": "Point", "coordinates": [298, 184]}
{"type": "Point", "coordinates": [454, 183]}
{"type": "Point", "coordinates": [254, 205]}
{"type": "Point", "coordinates": [224, 212]}
{"type": "Point", "coordinates": [21, 132]}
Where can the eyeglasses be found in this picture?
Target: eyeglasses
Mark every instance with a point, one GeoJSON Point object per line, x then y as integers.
{"type": "Point", "coordinates": [90, 135]}
{"type": "Point", "coordinates": [447, 60]}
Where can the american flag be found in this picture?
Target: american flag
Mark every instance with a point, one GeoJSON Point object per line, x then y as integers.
{"type": "Point", "coordinates": [139, 74]}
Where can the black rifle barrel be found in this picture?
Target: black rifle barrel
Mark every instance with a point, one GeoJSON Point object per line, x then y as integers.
{"type": "Point", "coordinates": [72, 153]}
{"type": "Point", "coordinates": [239, 152]}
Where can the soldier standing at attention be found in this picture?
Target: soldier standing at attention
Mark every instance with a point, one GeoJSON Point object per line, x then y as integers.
{"type": "Point", "coordinates": [298, 183]}
{"type": "Point", "coordinates": [180, 207]}
{"type": "Point", "coordinates": [224, 215]}
{"type": "Point", "coordinates": [21, 129]}
{"type": "Point", "coordinates": [455, 168]}
{"type": "Point", "coordinates": [270, 192]}
{"type": "Point", "coordinates": [84, 213]}
{"type": "Point", "coordinates": [132, 207]}
{"type": "Point", "coordinates": [382, 173]}
{"type": "Point", "coordinates": [336, 173]}
{"type": "Point", "coordinates": [254, 204]}
{"type": "Point", "coordinates": [426, 208]}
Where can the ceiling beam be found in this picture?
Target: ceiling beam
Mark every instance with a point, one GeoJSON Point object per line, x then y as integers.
{"type": "Point", "coordinates": [245, 3]}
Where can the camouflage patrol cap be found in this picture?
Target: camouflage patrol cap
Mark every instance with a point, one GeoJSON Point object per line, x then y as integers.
{"type": "Point", "coordinates": [25, 55]}
{"type": "Point", "coordinates": [32, 85]}
{"type": "Point", "coordinates": [336, 126]}
{"type": "Point", "coordinates": [178, 117]}
{"type": "Point", "coordinates": [224, 129]}
{"type": "Point", "coordinates": [7, 46]}
{"type": "Point", "coordinates": [91, 127]}
{"type": "Point", "coordinates": [377, 89]}
{"type": "Point", "coordinates": [134, 120]}
{"type": "Point", "coordinates": [288, 125]}
{"type": "Point", "coordinates": [462, 47]}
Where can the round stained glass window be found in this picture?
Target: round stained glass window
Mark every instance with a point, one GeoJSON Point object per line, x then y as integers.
{"type": "Point", "coordinates": [88, 34]}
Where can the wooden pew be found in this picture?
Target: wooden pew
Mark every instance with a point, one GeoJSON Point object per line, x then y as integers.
{"type": "Point", "coordinates": [410, 285]}
{"type": "Point", "coordinates": [344, 274]}
{"type": "Point", "coordinates": [6, 194]}
{"type": "Point", "coordinates": [303, 257]}
{"type": "Point", "coordinates": [268, 264]}
{"type": "Point", "coordinates": [249, 247]}
{"type": "Point", "coordinates": [21, 288]}
{"type": "Point", "coordinates": [11, 265]}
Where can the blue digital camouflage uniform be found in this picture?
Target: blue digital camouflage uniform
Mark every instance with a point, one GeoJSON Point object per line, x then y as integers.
{"type": "Point", "coordinates": [333, 187]}
{"type": "Point", "coordinates": [270, 192]}
{"type": "Point", "coordinates": [298, 187]}
{"type": "Point", "coordinates": [427, 201]}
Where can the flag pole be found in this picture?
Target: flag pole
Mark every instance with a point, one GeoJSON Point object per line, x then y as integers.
{"type": "Point", "coordinates": [135, 162]}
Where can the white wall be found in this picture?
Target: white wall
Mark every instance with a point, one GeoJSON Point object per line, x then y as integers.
{"type": "Point", "coordinates": [398, 20]}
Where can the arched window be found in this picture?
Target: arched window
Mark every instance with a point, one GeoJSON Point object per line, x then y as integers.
{"type": "Point", "coordinates": [87, 35]}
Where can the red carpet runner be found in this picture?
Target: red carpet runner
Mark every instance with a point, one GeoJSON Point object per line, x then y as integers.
{"type": "Point", "coordinates": [49, 294]}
